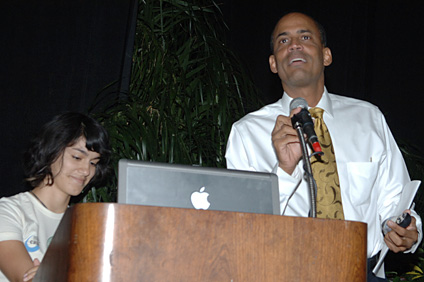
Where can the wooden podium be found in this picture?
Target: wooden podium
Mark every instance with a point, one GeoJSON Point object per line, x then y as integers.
{"type": "Point", "coordinates": [114, 242]}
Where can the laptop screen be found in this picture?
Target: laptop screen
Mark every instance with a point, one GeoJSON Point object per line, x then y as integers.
{"type": "Point", "coordinates": [184, 186]}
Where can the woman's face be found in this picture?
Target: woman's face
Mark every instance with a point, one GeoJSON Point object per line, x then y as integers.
{"type": "Point", "coordinates": [74, 169]}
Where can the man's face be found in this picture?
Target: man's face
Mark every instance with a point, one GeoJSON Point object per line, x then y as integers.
{"type": "Point", "coordinates": [299, 56]}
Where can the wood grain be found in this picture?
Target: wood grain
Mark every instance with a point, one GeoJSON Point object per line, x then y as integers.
{"type": "Point", "coordinates": [113, 242]}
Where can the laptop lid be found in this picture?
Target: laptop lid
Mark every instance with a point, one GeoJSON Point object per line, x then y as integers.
{"type": "Point", "coordinates": [184, 186]}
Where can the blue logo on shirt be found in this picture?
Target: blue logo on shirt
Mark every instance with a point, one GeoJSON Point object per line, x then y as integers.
{"type": "Point", "coordinates": [31, 244]}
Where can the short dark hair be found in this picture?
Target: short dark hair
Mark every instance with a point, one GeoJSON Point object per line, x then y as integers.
{"type": "Point", "coordinates": [63, 131]}
{"type": "Point", "coordinates": [320, 27]}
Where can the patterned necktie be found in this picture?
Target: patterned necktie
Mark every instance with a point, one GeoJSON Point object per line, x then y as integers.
{"type": "Point", "coordinates": [324, 169]}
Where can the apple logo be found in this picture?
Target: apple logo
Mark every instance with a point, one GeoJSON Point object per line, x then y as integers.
{"type": "Point", "coordinates": [199, 199]}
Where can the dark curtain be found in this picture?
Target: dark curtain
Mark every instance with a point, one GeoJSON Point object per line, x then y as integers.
{"type": "Point", "coordinates": [376, 47]}
{"type": "Point", "coordinates": [56, 56]}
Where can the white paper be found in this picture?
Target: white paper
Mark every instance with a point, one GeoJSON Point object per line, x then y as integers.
{"type": "Point", "coordinates": [406, 200]}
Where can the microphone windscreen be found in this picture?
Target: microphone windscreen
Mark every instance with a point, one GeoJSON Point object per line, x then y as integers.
{"type": "Point", "coordinates": [298, 102]}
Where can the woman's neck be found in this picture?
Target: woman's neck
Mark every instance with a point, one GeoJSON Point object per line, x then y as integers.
{"type": "Point", "coordinates": [54, 200]}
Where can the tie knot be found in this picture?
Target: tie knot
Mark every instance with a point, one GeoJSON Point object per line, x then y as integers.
{"type": "Point", "coordinates": [316, 112]}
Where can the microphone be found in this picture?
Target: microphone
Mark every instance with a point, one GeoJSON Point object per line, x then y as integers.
{"type": "Point", "coordinates": [303, 119]}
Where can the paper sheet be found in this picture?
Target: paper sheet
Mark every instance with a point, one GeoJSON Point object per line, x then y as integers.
{"type": "Point", "coordinates": [406, 200]}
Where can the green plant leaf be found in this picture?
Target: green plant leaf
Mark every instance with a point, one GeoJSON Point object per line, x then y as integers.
{"type": "Point", "coordinates": [187, 88]}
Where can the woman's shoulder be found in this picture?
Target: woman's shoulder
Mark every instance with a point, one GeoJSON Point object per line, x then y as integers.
{"type": "Point", "coordinates": [16, 203]}
{"type": "Point", "coordinates": [17, 198]}
{"type": "Point", "coordinates": [14, 212]}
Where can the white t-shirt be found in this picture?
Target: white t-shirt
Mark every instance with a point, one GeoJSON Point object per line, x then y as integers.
{"type": "Point", "coordinates": [24, 218]}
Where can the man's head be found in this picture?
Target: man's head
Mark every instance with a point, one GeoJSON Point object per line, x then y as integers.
{"type": "Point", "coordinates": [299, 52]}
{"type": "Point", "coordinates": [322, 32]}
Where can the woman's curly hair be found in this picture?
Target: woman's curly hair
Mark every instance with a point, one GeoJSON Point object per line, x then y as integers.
{"type": "Point", "coordinates": [62, 131]}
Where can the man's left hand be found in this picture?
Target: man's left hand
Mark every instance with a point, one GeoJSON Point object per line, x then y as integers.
{"type": "Point", "coordinates": [400, 239]}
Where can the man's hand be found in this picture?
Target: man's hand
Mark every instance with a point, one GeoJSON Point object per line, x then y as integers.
{"type": "Point", "coordinates": [286, 142]}
{"type": "Point", "coordinates": [400, 239]}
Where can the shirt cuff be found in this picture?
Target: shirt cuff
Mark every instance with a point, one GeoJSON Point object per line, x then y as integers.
{"type": "Point", "coordinates": [294, 177]}
{"type": "Point", "coordinates": [420, 233]}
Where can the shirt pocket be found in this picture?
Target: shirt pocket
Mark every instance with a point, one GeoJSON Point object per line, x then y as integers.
{"type": "Point", "coordinates": [362, 177]}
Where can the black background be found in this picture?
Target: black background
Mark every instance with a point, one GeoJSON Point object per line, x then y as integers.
{"type": "Point", "coordinates": [57, 55]}
{"type": "Point", "coordinates": [377, 50]}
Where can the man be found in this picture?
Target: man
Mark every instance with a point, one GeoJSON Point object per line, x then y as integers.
{"type": "Point", "coordinates": [370, 167]}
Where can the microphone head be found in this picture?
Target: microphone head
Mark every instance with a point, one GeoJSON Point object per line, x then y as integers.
{"type": "Point", "coordinates": [298, 102]}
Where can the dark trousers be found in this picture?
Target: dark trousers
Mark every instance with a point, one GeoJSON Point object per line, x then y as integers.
{"type": "Point", "coordinates": [371, 262]}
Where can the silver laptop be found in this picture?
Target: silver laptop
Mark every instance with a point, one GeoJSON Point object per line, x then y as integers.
{"type": "Point", "coordinates": [184, 186]}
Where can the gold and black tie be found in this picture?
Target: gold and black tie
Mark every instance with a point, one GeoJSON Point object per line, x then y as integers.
{"type": "Point", "coordinates": [324, 169]}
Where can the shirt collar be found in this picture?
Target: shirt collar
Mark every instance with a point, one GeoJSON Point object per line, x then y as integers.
{"type": "Point", "coordinates": [324, 103]}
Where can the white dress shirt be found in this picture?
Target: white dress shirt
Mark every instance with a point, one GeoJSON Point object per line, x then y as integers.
{"type": "Point", "coordinates": [371, 168]}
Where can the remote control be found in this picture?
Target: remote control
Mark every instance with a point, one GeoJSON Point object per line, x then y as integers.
{"type": "Point", "coordinates": [402, 220]}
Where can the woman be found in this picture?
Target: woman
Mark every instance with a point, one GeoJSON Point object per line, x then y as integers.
{"type": "Point", "coordinates": [70, 153]}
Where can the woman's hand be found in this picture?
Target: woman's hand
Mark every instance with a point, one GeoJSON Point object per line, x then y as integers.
{"type": "Point", "coordinates": [32, 271]}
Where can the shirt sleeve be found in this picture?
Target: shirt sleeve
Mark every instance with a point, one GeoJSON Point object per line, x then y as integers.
{"type": "Point", "coordinates": [235, 154]}
{"type": "Point", "coordinates": [393, 178]}
{"type": "Point", "coordinates": [238, 157]}
{"type": "Point", "coordinates": [10, 221]}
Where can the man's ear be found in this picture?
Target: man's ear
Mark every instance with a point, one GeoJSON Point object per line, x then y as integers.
{"type": "Point", "coordinates": [272, 64]}
{"type": "Point", "coordinates": [328, 57]}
